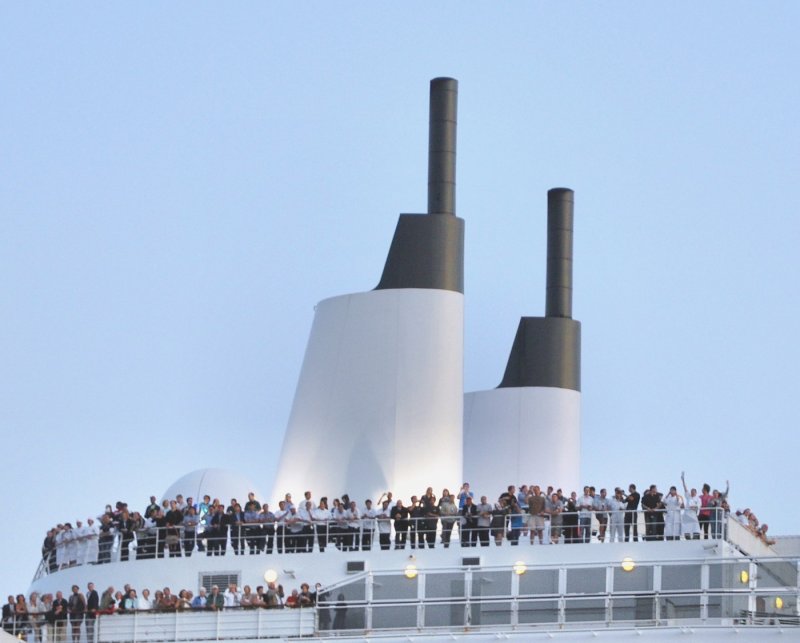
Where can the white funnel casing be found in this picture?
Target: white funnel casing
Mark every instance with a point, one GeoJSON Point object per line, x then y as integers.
{"type": "Point", "coordinates": [379, 403]}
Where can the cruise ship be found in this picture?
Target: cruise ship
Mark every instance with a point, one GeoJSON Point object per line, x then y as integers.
{"type": "Point", "coordinates": [380, 406]}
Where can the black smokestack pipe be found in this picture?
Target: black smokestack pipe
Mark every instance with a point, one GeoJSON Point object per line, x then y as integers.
{"type": "Point", "coordinates": [560, 209]}
{"type": "Point", "coordinates": [547, 350]}
{"type": "Point", "coordinates": [442, 146]}
{"type": "Point", "coordinates": [428, 251]}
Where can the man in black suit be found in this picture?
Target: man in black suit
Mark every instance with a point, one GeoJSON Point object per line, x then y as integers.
{"type": "Point", "coordinates": [59, 618]}
{"type": "Point", "coordinates": [92, 605]}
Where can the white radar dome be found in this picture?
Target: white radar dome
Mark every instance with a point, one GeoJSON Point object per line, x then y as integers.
{"type": "Point", "coordinates": [217, 483]}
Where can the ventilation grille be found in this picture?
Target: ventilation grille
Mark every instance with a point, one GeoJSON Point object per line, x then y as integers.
{"type": "Point", "coordinates": [220, 579]}
{"type": "Point", "coordinates": [471, 561]}
{"type": "Point", "coordinates": [356, 566]}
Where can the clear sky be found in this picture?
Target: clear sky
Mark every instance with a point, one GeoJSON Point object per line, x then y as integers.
{"type": "Point", "coordinates": [180, 183]}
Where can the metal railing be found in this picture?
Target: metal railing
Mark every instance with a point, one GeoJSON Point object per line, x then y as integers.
{"type": "Point", "coordinates": [723, 592]}
{"type": "Point", "coordinates": [260, 538]}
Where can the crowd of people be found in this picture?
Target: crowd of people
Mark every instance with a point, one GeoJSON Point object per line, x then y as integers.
{"type": "Point", "coordinates": [180, 527]}
{"type": "Point", "coordinates": [49, 618]}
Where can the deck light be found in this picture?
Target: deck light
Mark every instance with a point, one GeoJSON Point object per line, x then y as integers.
{"type": "Point", "coordinates": [410, 570]}
{"type": "Point", "coordinates": [744, 577]}
{"type": "Point", "coordinates": [520, 568]}
{"type": "Point", "coordinates": [778, 603]}
{"type": "Point", "coordinates": [270, 576]}
{"type": "Point", "coordinates": [628, 565]}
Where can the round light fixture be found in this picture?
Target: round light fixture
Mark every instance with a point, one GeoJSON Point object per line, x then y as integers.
{"type": "Point", "coordinates": [270, 575]}
{"type": "Point", "coordinates": [520, 568]}
{"type": "Point", "coordinates": [744, 576]}
{"type": "Point", "coordinates": [410, 571]}
{"type": "Point", "coordinates": [628, 565]}
{"type": "Point", "coordinates": [778, 603]}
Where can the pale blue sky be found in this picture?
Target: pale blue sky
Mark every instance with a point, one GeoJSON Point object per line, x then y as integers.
{"type": "Point", "coordinates": [180, 184]}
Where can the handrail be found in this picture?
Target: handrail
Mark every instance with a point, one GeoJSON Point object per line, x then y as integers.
{"type": "Point", "coordinates": [258, 538]}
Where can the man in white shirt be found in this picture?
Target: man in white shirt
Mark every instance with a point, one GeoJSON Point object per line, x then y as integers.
{"type": "Point", "coordinates": [368, 515]}
{"type": "Point", "coordinates": [384, 519]}
{"type": "Point", "coordinates": [585, 506]}
{"type": "Point", "coordinates": [305, 539]}
{"type": "Point", "coordinates": [232, 596]}
{"type": "Point", "coordinates": [280, 527]}
{"type": "Point", "coordinates": [616, 509]}
{"type": "Point", "coordinates": [353, 527]}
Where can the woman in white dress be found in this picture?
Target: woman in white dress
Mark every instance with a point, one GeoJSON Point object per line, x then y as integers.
{"type": "Point", "coordinates": [92, 534]}
{"type": "Point", "coordinates": [673, 504]}
{"type": "Point", "coordinates": [691, 512]}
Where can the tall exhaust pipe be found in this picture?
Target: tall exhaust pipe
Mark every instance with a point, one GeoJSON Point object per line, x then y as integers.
{"type": "Point", "coordinates": [560, 210]}
{"type": "Point", "coordinates": [547, 350]}
{"type": "Point", "coordinates": [442, 146]}
{"type": "Point", "coordinates": [427, 251]}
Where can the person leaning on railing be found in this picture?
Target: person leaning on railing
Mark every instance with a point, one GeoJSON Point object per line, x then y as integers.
{"type": "Point", "coordinates": [448, 513]}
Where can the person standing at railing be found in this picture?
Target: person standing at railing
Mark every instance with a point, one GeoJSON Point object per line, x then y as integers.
{"type": "Point", "coordinates": [125, 526]}
{"type": "Point", "coordinates": [190, 523]}
{"type": "Point", "coordinates": [59, 618]}
{"type": "Point", "coordinates": [215, 601]}
{"type": "Point", "coordinates": [49, 551]}
{"type": "Point", "coordinates": [463, 494]}
{"type": "Point", "coordinates": [536, 508]}
{"type": "Point", "coordinates": [320, 517]}
{"type": "Point", "coordinates": [106, 539]}
{"type": "Point", "coordinates": [280, 515]}
{"type": "Point", "coordinates": [305, 514]}
{"type": "Point", "coordinates": [416, 525]}
{"type": "Point", "coordinates": [237, 528]}
{"type": "Point", "coordinates": [717, 511]}
{"type": "Point", "coordinates": [430, 519]}
{"type": "Point", "coordinates": [653, 514]}
{"type": "Point", "coordinates": [690, 522]}
{"type": "Point", "coordinates": [499, 519]}
{"type": "Point", "coordinates": [673, 503]}
{"type": "Point", "coordinates": [616, 516]}
{"type": "Point", "coordinates": [600, 507]}
{"type": "Point", "coordinates": [36, 611]}
{"type": "Point", "coordinates": [92, 605]}
{"type": "Point", "coordinates": [569, 518]}
{"type": "Point", "coordinates": [469, 523]}
{"type": "Point", "coordinates": [144, 601]}
{"type": "Point", "coordinates": [9, 615]}
{"type": "Point", "coordinates": [518, 520]}
{"type": "Point", "coordinates": [252, 529]}
{"type": "Point", "coordinates": [368, 515]}
{"type": "Point", "coordinates": [202, 513]}
{"type": "Point", "coordinates": [384, 520]}
{"type": "Point", "coordinates": [267, 520]}
{"type": "Point", "coordinates": [553, 508]}
{"type": "Point", "coordinates": [631, 514]}
{"type": "Point", "coordinates": [484, 521]}
{"type": "Point", "coordinates": [400, 516]}
{"type": "Point", "coordinates": [175, 514]}
{"type": "Point", "coordinates": [704, 515]}
{"type": "Point", "coordinates": [448, 513]}
{"type": "Point", "coordinates": [199, 602]}
{"type": "Point", "coordinates": [353, 526]}
{"type": "Point", "coordinates": [585, 505]}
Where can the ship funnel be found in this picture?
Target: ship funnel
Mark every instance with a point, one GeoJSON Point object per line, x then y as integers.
{"type": "Point", "coordinates": [428, 251]}
{"type": "Point", "coordinates": [442, 146]}
{"type": "Point", "coordinates": [560, 209]}
{"type": "Point", "coordinates": [547, 350]}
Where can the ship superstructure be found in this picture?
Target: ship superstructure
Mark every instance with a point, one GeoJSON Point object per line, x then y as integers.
{"type": "Point", "coordinates": [384, 371]}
